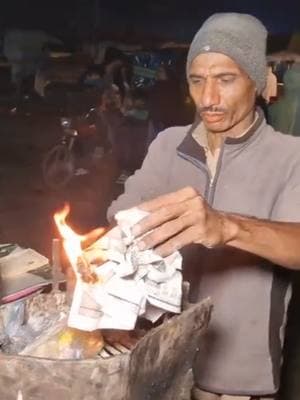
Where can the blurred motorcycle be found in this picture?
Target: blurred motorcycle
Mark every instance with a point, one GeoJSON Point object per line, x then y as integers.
{"type": "Point", "coordinates": [72, 155]}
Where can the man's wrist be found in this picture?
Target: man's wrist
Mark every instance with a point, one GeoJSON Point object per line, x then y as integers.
{"type": "Point", "coordinates": [230, 228]}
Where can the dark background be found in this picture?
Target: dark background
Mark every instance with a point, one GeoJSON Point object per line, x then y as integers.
{"type": "Point", "coordinates": [175, 19]}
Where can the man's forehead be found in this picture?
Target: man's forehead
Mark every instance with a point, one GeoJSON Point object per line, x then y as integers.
{"type": "Point", "coordinates": [214, 63]}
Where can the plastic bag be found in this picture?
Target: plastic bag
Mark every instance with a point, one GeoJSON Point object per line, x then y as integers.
{"type": "Point", "coordinates": [23, 321]}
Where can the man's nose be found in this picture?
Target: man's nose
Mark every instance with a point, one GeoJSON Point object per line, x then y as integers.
{"type": "Point", "coordinates": [210, 94]}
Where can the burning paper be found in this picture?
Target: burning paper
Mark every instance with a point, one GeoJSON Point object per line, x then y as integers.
{"type": "Point", "coordinates": [129, 284]}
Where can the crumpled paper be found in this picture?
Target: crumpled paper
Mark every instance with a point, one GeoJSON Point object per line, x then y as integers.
{"type": "Point", "coordinates": [130, 284]}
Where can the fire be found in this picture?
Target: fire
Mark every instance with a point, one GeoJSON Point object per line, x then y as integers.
{"type": "Point", "coordinates": [73, 242]}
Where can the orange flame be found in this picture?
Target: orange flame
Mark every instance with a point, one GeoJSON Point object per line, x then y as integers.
{"type": "Point", "coordinates": [72, 243]}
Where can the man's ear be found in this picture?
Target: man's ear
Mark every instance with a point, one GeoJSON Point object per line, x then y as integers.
{"type": "Point", "coordinates": [271, 86]}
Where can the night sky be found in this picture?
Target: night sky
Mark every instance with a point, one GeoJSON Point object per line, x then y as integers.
{"type": "Point", "coordinates": [59, 15]}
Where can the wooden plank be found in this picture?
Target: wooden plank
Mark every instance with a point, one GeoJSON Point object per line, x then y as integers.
{"type": "Point", "coordinates": [104, 354]}
{"type": "Point", "coordinates": [112, 350]}
{"type": "Point", "coordinates": [121, 348]}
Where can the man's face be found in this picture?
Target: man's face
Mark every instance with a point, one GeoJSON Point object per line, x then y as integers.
{"type": "Point", "coordinates": [223, 93]}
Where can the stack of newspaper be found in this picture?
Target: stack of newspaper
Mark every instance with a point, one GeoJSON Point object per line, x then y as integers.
{"type": "Point", "coordinates": [130, 284]}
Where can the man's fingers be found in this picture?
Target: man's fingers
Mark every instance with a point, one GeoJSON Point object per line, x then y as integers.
{"type": "Point", "coordinates": [167, 213]}
{"type": "Point", "coordinates": [164, 232]}
{"type": "Point", "coordinates": [184, 238]}
{"type": "Point", "coordinates": [159, 217]}
{"type": "Point", "coordinates": [168, 199]}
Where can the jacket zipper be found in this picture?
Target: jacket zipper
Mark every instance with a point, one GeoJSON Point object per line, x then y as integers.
{"type": "Point", "coordinates": [211, 189]}
{"type": "Point", "coordinates": [201, 166]}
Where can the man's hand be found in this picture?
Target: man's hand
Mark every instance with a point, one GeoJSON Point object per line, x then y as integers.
{"type": "Point", "coordinates": [178, 219]}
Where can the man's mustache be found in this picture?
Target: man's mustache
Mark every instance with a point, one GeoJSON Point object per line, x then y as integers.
{"type": "Point", "coordinates": [211, 109]}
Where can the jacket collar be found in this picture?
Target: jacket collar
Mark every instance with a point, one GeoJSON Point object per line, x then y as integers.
{"type": "Point", "coordinates": [190, 147]}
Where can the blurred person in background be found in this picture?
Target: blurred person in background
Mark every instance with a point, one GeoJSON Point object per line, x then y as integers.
{"type": "Point", "coordinates": [284, 114]}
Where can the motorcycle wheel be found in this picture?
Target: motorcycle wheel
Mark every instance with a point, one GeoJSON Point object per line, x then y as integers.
{"type": "Point", "coordinates": [58, 167]}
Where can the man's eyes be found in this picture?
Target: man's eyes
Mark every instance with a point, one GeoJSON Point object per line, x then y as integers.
{"type": "Point", "coordinates": [196, 81]}
{"type": "Point", "coordinates": [221, 79]}
{"type": "Point", "coordinates": [227, 78]}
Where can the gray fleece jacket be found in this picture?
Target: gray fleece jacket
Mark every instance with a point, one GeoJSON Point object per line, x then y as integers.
{"type": "Point", "coordinates": [257, 175]}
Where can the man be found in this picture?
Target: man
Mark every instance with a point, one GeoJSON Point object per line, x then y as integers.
{"type": "Point", "coordinates": [228, 190]}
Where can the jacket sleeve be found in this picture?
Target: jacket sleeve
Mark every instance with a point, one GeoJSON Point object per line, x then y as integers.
{"type": "Point", "coordinates": [148, 182]}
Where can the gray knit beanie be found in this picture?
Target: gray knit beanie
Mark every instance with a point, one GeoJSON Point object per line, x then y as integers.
{"type": "Point", "coordinates": [241, 37]}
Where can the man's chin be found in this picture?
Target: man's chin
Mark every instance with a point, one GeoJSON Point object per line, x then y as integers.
{"type": "Point", "coordinates": [216, 127]}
